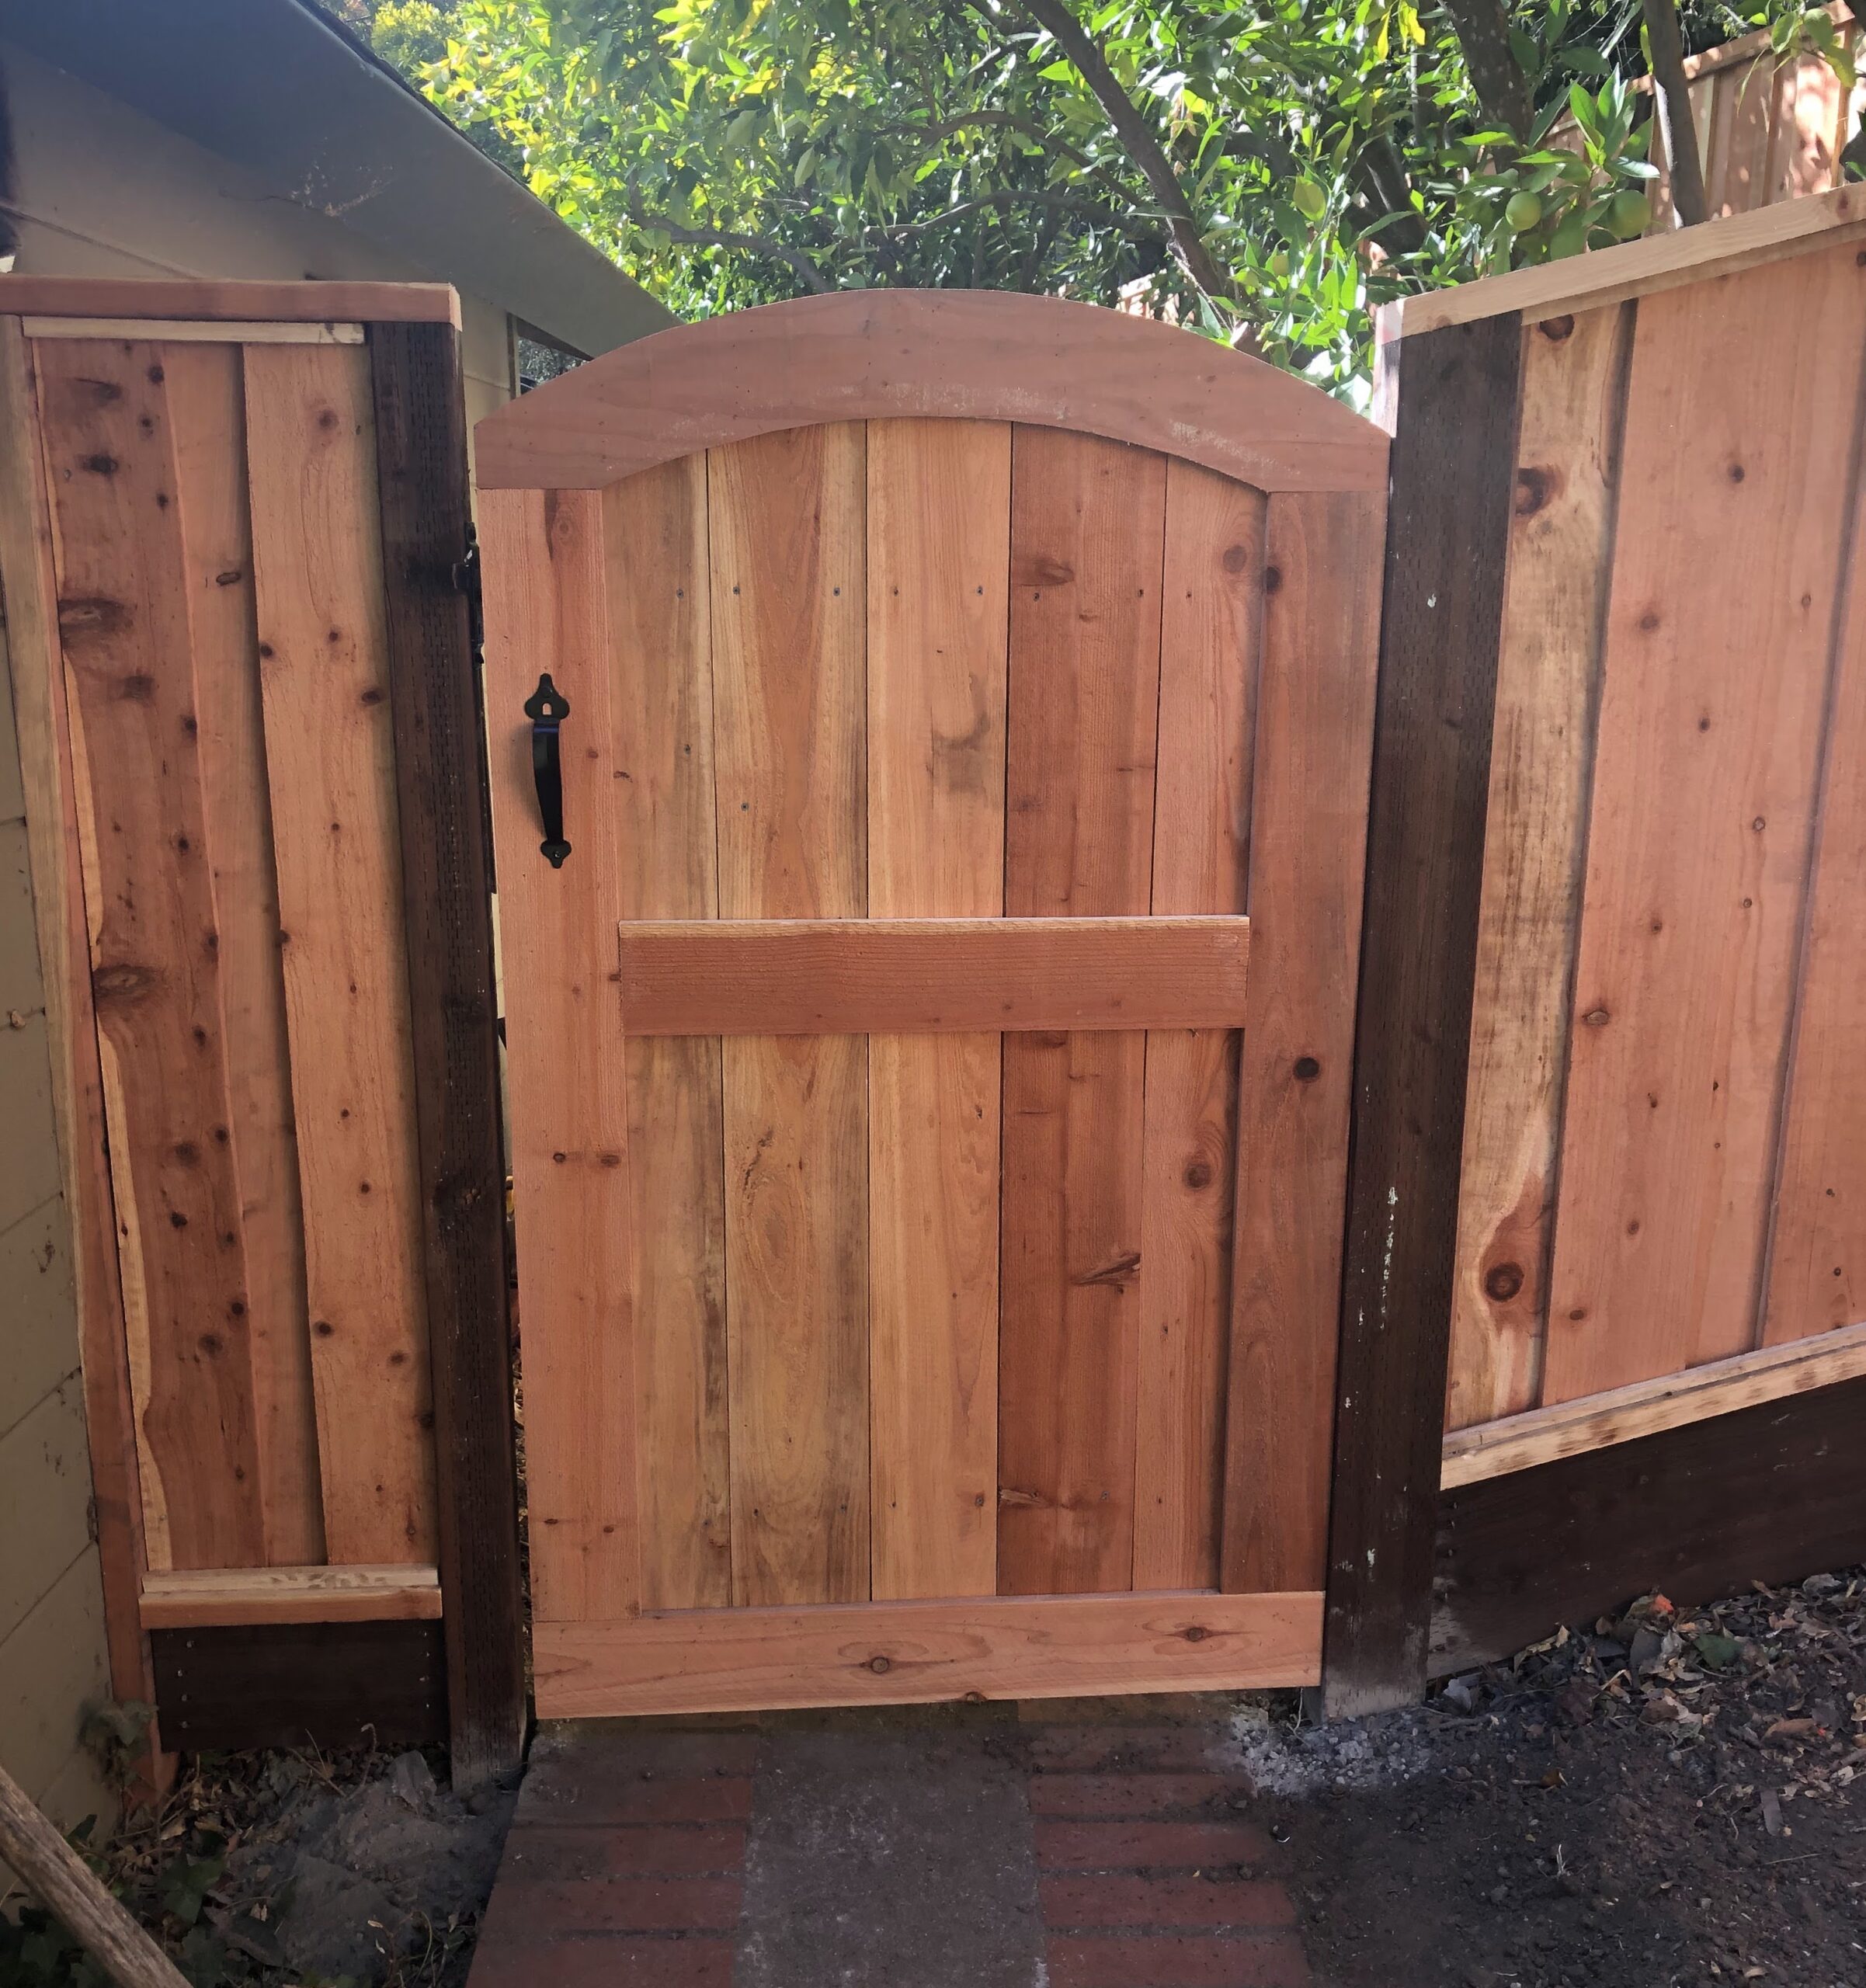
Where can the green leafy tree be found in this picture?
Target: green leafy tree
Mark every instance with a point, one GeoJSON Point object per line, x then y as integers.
{"type": "Point", "coordinates": [1265, 173]}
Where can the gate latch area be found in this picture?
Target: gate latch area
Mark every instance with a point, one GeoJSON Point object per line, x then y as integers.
{"type": "Point", "coordinates": [547, 707]}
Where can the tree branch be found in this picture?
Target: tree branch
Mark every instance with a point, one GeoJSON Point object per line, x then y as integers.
{"type": "Point", "coordinates": [1674, 90]}
{"type": "Point", "coordinates": [1482, 27]}
{"type": "Point", "coordinates": [1058, 19]}
{"type": "Point", "coordinates": [812, 277]}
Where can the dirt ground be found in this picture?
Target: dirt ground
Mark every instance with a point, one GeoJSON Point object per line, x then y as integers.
{"type": "Point", "coordinates": [1661, 1798]}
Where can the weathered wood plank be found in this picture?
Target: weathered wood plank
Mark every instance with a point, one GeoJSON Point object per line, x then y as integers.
{"type": "Point", "coordinates": [546, 606]}
{"type": "Point", "coordinates": [206, 403]}
{"type": "Point", "coordinates": [323, 674]}
{"type": "Point", "coordinates": [1211, 633]}
{"type": "Point", "coordinates": [1454, 464]}
{"type": "Point", "coordinates": [226, 1597]}
{"type": "Point", "coordinates": [1712, 700]}
{"type": "Point", "coordinates": [664, 858]}
{"type": "Point", "coordinates": [787, 520]}
{"type": "Point", "coordinates": [1555, 603]}
{"type": "Point", "coordinates": [1088, 523]}
{"type": "Point", "coordinates": [420, 474]}
{"type": "Point", "coordinates": [825, 976]}
{"type": "Point", "coordinates": [1309, 845]}
{"type": "Point", "coordinates": [126, 622]}
{"type": "Point", "coordinates": [939, 539]}
{"type": "Point", "coordinates": [908, 1652]}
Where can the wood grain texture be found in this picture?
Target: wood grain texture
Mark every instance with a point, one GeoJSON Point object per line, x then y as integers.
{"type": "Point", "coordinates": [974, 355]}
{"type": "Point", "coordinates": [178, 331]}
{"type": "Point", "coordinates": [1088, 522]}
{"type": "Point", "coordinates": [1712, 701]}
{"type": "Point", "coordinates": [1309, 850]}
{"type": "Point", "coordinates": [434, 694]}
{"type": "Point", "coordinates": [1817, 1265]}
{"type": "Point", "coordinates": [127, 628]}
{"type": "Point", "coordinates": [786, 516]}
{"type": "Point", "coordinates": [226, 1597]}
{"type": "Point", "coordinates": [546, 606]}
{"type": "Point", "coordinates": [1453, 462]}
{"type": "Point", "coordinates": [207, 402]}
{"type": "Point", "coordinates": [35, 668]}
{"type": "Point", "coordinates": [1621, 1414]}
{"type": "Point", "coordinates": [1541, 759]}
{"type": "Point", "coordinates": [909, 1652]}
{"type": "Point", "coordinates": [664, 861]}
{"type": "Point", "coordinates": [825, 976]}
{"type": "Point", "coordinates": [1211, 632]}
{"type": "Point", "coordinates": [218, 297]}
{"type": "Point", "coordinates": [939, 553]}
{"type": "Point", "coordinates": [318, 567]}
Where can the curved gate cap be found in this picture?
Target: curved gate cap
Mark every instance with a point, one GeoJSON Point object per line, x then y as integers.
{"type": "Point", "coordinates": [980, 355]}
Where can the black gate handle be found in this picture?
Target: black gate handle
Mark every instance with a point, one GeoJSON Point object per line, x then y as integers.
{"type": "Point", "coordinates": [547, 707]}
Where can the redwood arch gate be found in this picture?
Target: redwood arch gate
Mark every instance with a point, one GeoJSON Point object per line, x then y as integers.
{"type": "Point", "coordinates": [929, 1065]}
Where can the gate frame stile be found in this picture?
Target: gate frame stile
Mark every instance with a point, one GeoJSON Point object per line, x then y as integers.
{"type": "Point", "coordinates": [1033, 362]}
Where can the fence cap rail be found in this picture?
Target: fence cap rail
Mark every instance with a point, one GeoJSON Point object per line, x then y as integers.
{"type": "Point", "coordinates": [1638, 269]}
{"type": "Point", "coordinates": [980, 355]}
{"type": "Point", "coordinates": [214, 299]}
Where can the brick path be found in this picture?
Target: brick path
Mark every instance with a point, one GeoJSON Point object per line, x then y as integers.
{"type": "Point", "coordinates": [887, 1854]}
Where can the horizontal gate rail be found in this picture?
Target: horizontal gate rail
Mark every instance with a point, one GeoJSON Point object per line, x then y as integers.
{"type": "Point", "coordinates": [853, 976]}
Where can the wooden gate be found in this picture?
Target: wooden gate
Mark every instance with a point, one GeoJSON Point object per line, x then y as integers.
{"type": "Point", "coordinates": [929, 1068]}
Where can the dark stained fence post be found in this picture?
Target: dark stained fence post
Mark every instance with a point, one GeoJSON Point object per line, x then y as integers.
{"type": "Point", "coordinates": [1453, 474]}
{"type": "Point", "coordinates": [440, 776]}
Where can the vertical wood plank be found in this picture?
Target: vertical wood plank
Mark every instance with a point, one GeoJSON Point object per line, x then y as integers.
{"type": "Point", "coordinates": [1453, 466]}
{"type": "Point", "coordinates": [1555, 601]}
{"type": "Point", "coordinates": [206, 403]}
{"type": "Point", "coordinates": [126, 628]}
{"type": "Point", "coordinates": [420, 472]}
{"type": "Point", "coordinates": [1308, 856]}
{"type": "Point", "coordinates": [323, 672]}
{"type": "Point", "coordinates": [786, 519]}
{"type": "Point", "coordinates": [1088, 520]}
{"type": "Point", "coordinates": [939, 539]}
{"type": "Point", "coordinates": [1211, 638]}
{"type": "Point", "coordinates": [546, 607]}
{"type": "Point", "coordinates": [1715, 685]}
{"type": "Point", "coordinates": [654, 532]}
{"type": "Point", "coordinates": [1817, 1256]}
{"type": "Point", "coordinates": [35, 668]}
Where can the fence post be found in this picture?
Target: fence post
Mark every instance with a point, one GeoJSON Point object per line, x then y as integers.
{"type": "Point", "coordinates": [422, 472]}
{"type": "Point", "coordinates": [1453, 472]}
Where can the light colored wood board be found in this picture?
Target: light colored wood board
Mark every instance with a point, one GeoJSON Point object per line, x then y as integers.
{"type": "Point", "coordinates": [126, 620]}
{"type": "Point", "coordinates": [206, 401]}
{"type": "Point", "coordinates": [1189, 1189]}
{"type": "Point", "coordinates": [1545, 1435]}
{"type": "Point", "coordinates": [214, 297]}
{"type": "Point", "coordinates": [1088, 529]}
{"type": "Point", "coordinates": [1712, 700]}
{"type": "Point", "coordinates": [787, 526]}
{"type": "Point", "coordinates": [1743, 98]}
{"type": "Point", "coordinates": [1541, 755]}
{"type": "Point", "coordinates": [29, 588]}
{"type": "Point", "coordinates": [797, 1314]}
{"type": "Point", "coordinates": [1212, 610]}
{"type": "Point", "coordinates": [566, 1086]}
{"type": "Point", "coordinates": [939, 538]}
{"type": "Point", "coordinates": [664, 861]}
{"type": "Point", "coordinates": [323, 659]}
{"type": "Point", "coordinates": [916, 1653]}
{"type": "Point", "coordinates": [951, 354]}
{"type": "Point", "coordinates": [1309, 846]}
{"type": "Point", "coordinates": [1645, 268]}
{"type": "Point", "coordinates": [931, 976]}
{"type": "Point", "coordinates": [1816, 1274]}
{"type": "Point", "coordinates": [236, 1597]}
{"type": "Point", "coordinates": [174, 331]}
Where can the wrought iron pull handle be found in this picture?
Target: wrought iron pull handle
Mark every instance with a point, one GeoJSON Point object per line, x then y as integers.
{"type": "Point", "coordinates": [547, 707]}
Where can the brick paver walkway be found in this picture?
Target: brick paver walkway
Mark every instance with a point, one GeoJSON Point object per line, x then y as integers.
{"type": "Point", "coordinates": [889, 1856]}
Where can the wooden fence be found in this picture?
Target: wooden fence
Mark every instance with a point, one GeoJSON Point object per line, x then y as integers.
{"type": "Point", "coordinates": [230, 518]}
